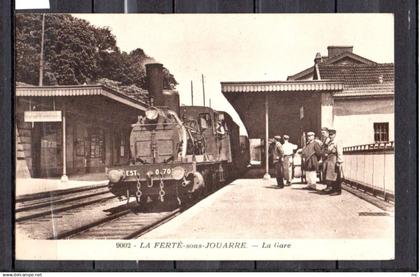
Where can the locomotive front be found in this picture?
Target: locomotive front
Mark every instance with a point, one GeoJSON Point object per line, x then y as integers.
{"type": "Point", "coordinates": [159, 169]}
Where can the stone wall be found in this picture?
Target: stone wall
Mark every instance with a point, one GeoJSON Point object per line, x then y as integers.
{"type": "Point", "coordinates": [23, 145]}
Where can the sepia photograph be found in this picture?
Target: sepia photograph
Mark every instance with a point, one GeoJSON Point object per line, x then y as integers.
{"type": "Point", "coordinates": [204, 137]}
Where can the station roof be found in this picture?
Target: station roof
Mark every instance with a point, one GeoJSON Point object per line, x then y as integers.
{"type": "Point", "coordinates": [80, 90]}
{"type": "Point", "coordinates": [340, 58]}
{"type": "Point", "coordinates": [356, 75]}
{"type": "Point", "coordinates": [280, 86]}
{"type": "Point", "coordinates": [361, 80]}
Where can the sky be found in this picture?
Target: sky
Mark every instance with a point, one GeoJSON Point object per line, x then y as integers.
{"type": "Point", "coordinates": [244, 47]}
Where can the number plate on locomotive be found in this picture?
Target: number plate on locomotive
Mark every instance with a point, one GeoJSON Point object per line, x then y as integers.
{"type": "Point", "coordinates": [156, 172]}
{"type": "Point", "coordinates": [162, 171]}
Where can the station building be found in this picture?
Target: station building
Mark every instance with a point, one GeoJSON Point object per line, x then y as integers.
{"type": "Point", "coordinates": [342, 90]}
{"type": "Point", "coordinates": [363, 112]}
{"type": "Point", "coordinates": [92, 121]}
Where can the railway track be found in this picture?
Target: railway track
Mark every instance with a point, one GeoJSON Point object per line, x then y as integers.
{"type": "Point", "coordinates": [92, 213]}
{"type": "Point", "coordinates": [31, 207]}
{"type": "Point", "coordinates": [127, 224]}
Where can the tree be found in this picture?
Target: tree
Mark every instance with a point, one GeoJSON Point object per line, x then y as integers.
{"type": "Point", "coordinates": [75, 52]}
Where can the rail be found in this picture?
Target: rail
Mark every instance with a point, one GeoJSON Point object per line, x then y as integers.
{"type": "Point", "coordinates": [370, 168]}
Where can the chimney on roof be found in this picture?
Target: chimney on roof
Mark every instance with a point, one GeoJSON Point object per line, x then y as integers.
{"type": "Point", "coordinates": [338, 50]}
{"type": "Point", "coordinates": [318, 58]}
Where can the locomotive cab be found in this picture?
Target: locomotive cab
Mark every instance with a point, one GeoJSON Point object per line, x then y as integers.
{"type": "Point", "coordinates": [196, 143]}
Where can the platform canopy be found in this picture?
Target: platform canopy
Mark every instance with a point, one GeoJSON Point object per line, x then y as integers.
{"type": "Point", "coordinates": [107, 103]}
{"type": "Point", "coordinates": [279, 86]}
{"type": "Point", "coordinates": [293, 106]}
{"type": "Point", "coordinates": [268, 109]}
{"type": "Point", "coordinates": [83, 90]}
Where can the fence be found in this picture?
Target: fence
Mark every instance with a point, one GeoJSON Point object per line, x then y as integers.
{"type": "Point", "coordinates": [370, 167]}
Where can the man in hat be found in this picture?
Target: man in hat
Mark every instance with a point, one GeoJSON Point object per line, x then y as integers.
{"type": "Point", "coordinates": [278, 159]}
{"type": "Point", "coordinates": [324, 144]}
{"type": "Point", "coordinates": [311, 154]}
{"type": "Point", "coordinates": [333, 164]}
{"type": "Point", "coordinates": [288, 150]}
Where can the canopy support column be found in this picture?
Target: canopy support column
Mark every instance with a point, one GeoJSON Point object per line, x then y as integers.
{"type": "Point", "coordinates": [327, 113]}
{"type": "Point", "coordinates": [64, 178]}
{"type": "Point", "coordinates": [267, 174]}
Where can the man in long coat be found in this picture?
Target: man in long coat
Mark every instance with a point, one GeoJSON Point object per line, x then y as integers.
{"type": "Point", "coordinates": [311, 154]}
{"type": "Point", "coordinates": [333, 164]}
{"type": "Point", "coordinates": [278, 161]}
{"type": "Point", "coordinates": [325, 139]}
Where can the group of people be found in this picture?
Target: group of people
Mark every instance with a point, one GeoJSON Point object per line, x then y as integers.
{"type": "Point", "coordinates": [324, 155]}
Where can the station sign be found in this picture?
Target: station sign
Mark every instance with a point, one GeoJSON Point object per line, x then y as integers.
{"type": "Point", "coordinates": [42, 116]}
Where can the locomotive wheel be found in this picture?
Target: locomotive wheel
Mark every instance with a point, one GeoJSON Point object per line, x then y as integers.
{"type": "Point", "coordinates": [198, 195]}
{"type": "Point", "coordinates": [185, 199]}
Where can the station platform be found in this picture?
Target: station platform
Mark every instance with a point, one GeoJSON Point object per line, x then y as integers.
{"type": "Point", "coordinates": [26, 186]}
{"type": "Point", "coordinates": [257, 209]}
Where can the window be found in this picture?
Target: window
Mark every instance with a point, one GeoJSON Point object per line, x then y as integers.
{"type": "Point", "coordinates": [381, 131]}
{"type": "Point", "coordinates": [205, 121]}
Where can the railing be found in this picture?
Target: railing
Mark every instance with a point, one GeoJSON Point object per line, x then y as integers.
{"type": "Point", "coordinates": [370, 168]}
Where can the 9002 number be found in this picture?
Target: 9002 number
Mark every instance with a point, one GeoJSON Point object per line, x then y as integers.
{"type": "Point", "coordinates": [162, 171]}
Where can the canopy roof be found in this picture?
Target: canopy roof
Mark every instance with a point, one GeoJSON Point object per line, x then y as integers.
{"type": "Point", "coordinates": [280, 86]}
{"type": "Point", "coordinates": [285, 99]}
{"type": "Point", "coordinates": [80, 91]}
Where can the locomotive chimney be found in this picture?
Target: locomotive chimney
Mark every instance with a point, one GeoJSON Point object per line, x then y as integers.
{"type": "Point", "coordinates": [154, 73]}
{"type": "Point", "coordinates": [161, 97]}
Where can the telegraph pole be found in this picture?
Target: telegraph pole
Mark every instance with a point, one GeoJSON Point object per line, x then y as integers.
{"type": "Point", "coordinates": [210, 102]}
{"type": "Point", "coordinates": [41, 59]}
{"type": "Point", "coordinates": [192, 94]}
{"type": "Point", "coordinates": [204, 92]}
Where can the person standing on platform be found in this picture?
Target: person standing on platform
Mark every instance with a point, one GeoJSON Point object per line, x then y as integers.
{"type": "Point", "coordinates": [311, 154]}
{"type": "Point", "coordinates": [288, 150]}
{"type": "Point", "coordinates": [334, 164]}
{"type": "Point", "coordinates": [324, 144]}
{"type": "Point", "coordinates": [220, 135]}
{"type": "Point", "coordinates": [278, 161]}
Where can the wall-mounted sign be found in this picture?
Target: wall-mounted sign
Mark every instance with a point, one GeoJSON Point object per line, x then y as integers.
{"type": "Point", "coordinates": [42, 116]}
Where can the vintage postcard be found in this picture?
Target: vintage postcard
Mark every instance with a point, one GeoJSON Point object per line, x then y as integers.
{"type": "Point", "coordinates": [204, 137]}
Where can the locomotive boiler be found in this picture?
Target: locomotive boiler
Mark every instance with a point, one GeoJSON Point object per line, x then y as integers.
{"type": "Point", "coordinates": [177, 153]}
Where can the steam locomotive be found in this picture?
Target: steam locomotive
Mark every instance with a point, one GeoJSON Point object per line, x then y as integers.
{"type": "Point", "coordinates": [178, 153]}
